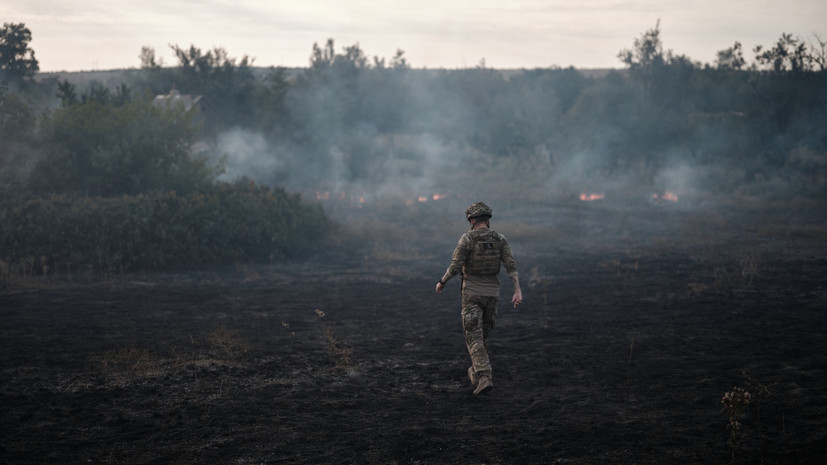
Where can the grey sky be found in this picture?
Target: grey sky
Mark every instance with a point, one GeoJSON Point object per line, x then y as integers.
{"type": "Point", "coordinates": [106, 34]}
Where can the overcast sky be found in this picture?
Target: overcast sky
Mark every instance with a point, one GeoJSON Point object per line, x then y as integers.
{"type": "Point", "coordinates": [74, 35]}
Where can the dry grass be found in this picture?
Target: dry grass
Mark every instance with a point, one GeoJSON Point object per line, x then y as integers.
{"type": "Point", "coordinates": [31, 273]}
{"type": "Point", "coordinates": [808, 232]}
{"type": "Point", "coordinates": [129, 361]}
{"type": "Point", "coordinates": [703, 229]}
{"type": "Point", "coordinates": [386, 254]}
{"type": "Point", "coordinates": [230, 344]}
{"type": "Point", "coordinates": [744, 268]}
{"type": "Point", "coordinates": [740, 275]}
{"type": "Point", "coordinates": [749, 268]}
{"type": "Point", "coordinates": [621, 268]}
{"type": "Point", "coordinates": [544, 283]}
{"type": "Point", "coordinates": [371, 230]}
{"type": "Point", "coordinates": [698, 288]}
{"type": "Point", "coordinates": [663, 243]}
{"type": "Point", "coordinates": [339, 349]}
{"type": "Point", "coordinates": [248, 272]}
{"type": "Point", "coordinates": [388, 242]}
{"type": "Point", "coordinates": [527, 232]}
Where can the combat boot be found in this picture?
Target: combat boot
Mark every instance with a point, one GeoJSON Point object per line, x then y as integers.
{"type": "Point", "coordinates": [484, 385]}
{"type": "Point", "coordinates": [472, 375]}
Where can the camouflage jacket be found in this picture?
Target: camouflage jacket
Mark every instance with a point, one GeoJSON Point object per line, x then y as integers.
{"type": "Point", "coordinates": [478, 256]}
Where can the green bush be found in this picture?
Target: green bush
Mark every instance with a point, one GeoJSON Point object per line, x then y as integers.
{"type": "Point", "coordinates": [224, 224]}
{"type": "Point", "coordinates": [104, 150]}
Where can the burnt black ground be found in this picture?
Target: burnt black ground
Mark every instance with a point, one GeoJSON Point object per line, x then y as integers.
{"type": "Point", "coordinates": [636, 323]}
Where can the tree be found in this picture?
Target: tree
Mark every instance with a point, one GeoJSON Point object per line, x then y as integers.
{"type": "Point", "coordinates": [731, 58]}
{"type": "Point", "coordinates": [17, 126]}
{"type": "Point", "coordinates": [271, 113]}
{"type": "Point", "coordinates": [66, 93]}
{"type": "Point", "coordinates": [123, 94]}
{"type": "Point", "coordinates": [97, 93]}
{"type": "Point", "coordinates": [399, 61]}
{"type": "Point", "coordinates": [17, 61]}
{"type": "Point", "coordinates": [788, 54]}
{"type": "Point", "coordinates": [228, 85]}
{"type": "Point", "coordinates": [148, 59]}
{"type": "Point", "coordinates": [664, 77]}
{"type": "Point", "coordinates": [322, 58]}
{"type": "Point", "coordinates": [819, 52]}
{"type": "Point", "coordinates": [16, 116]}
{"type": "Point", "coordinates": [205, 71]}
{"type": "Point", "coordinates": [106, 150]}
{"type": "Point", "coordinates": [646, 58]}
{"type": "Point", "coordinates": [329, 89]}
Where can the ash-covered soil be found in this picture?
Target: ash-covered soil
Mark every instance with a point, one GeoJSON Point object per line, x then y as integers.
{"type": "Point", "coordinates": [636, 322]}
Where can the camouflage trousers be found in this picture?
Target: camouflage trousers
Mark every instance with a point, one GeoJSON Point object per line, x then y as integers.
{"type": "Point", "coordinates": [479, 314]}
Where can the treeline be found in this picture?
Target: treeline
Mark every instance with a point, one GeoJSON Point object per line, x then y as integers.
{"type": "Point", "coordinates": [348, 119]}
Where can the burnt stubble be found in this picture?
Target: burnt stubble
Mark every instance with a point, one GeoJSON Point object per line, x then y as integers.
{"type": "Point", "coordinates": [636, 322]}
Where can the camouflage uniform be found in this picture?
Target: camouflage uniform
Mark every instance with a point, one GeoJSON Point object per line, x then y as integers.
{"type": "Point", "coordinates": [477, 257]}
{"type": "Point", "coordinates": [479, 314]}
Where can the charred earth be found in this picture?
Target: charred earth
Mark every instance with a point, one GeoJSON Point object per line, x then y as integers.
{"type": "Point", "coordinates": [636, 323]}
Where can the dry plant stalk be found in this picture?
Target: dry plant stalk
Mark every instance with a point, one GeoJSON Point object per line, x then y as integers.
{"type": "Point", "coordinates": [339, 349]}
{"type": "Point", "coordinates": [735, 402]}
{"type": "Point", "coordinates": [126, 359]}
{"type": "Point", "coordinates": [749, 269]}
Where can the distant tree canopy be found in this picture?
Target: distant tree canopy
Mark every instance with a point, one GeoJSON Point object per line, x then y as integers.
{"type": "Point", "coordinates": [17, 140]}
{"type": "Point", "coordinates": [227, 84]}
{"type": "Point", "coordinates": [789, 54]}
{"type": "Point", "coordinates": [731, 59]}
{"type": "Point", "coordinates": [17, 61]}
{"type": "Point", "coordinates": [351, 118]}
{"type": "Point", "coordinates": [17, 120]}
{"type": "Point", "coordinates": [100, 149]}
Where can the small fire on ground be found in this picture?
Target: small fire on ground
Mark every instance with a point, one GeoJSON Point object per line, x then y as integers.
{"type": "Point", "coordinates": [424, 198]}
{"type": "Point", "coordinates": [666, 196]}
{"type": "Point", "coordinates": [590, 197]}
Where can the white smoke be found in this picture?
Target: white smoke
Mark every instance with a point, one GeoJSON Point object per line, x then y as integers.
{"type": "Point", "coordinates": [246, 154]}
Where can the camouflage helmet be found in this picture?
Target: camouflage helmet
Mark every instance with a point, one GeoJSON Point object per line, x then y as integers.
{"type": "Point", "coordinates": [479, 210]}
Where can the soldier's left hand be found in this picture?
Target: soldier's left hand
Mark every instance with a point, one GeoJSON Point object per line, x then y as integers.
{"type": "Point", "coordinates": [517, 299]}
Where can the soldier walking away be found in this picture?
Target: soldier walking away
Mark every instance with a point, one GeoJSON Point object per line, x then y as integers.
{"type": "Point", "coordinates": [477, 259]}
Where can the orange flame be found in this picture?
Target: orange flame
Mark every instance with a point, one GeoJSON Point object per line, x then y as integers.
{"type": "Point", "coordinates": [590, 197]}
{"type": "Point", "coordinates": [426, 198]}
{"type": "Point", "coordinates": [667, 195]}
